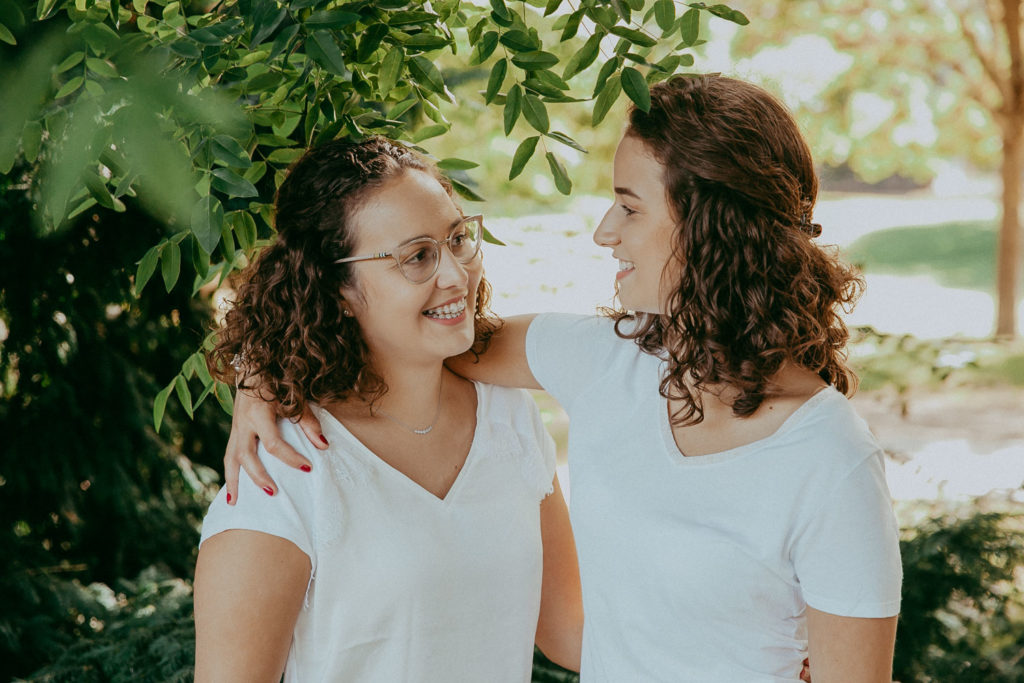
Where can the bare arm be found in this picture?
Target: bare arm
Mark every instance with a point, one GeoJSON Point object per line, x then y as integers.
{"type": "Point", "coordinates": [560, 627]}
{"type": "Point", "coordinates": [850, 649]}
{"type": "Point", "coordinates": [504, 361]}
{"type": "Point", "coordinates": [249, 589]}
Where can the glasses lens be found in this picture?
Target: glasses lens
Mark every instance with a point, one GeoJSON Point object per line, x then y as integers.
{"type": "Point", "coordinates": [465, 239]}
{"type": "Point", "coordinates": [418, 260]}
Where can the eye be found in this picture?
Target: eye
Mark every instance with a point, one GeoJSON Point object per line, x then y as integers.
{"type": "Point", "coordinates": [419, 255]}
{"type": "Point", "coordinates": [458, 238]}
{"type": "Point", "coordinates": [628, 211]}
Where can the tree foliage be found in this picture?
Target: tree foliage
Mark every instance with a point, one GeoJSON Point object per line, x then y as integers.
{"type": "Point", "coordinates": [948, 78]}
{"type": "Point", "coordinates": [195, 112]}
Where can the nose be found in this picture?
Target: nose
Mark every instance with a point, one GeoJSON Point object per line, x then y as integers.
{"type": "Point", "coordinates": [606, 234]}
{"type": "Point", "coordinates": [451, 273]}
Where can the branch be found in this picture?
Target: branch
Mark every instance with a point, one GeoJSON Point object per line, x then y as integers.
{"type": "Point", "coordinates": [987, 63]}
{"type": "Point", "coordinates": [1011, 21]}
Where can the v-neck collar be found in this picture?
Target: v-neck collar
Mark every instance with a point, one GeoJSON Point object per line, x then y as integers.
{"type": "Point", "coordinates": [374, 460]}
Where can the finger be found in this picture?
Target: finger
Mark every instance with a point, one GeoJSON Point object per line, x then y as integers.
{"type": "Point", "coordinates": [232, 464]}
{"type": "Point", "coordinates": [254, 468]}
{"type": "Point", "coordinates": [283, 451]}
{"type": "Point", "coordinates": [312, 429]}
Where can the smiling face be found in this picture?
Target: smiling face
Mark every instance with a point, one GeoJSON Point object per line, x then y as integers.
{"type": "Point", "coordinates": [639, 228]}
{"type": "Point", "coordinates": [403, 322]}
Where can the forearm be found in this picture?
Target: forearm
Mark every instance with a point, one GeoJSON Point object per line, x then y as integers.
{"type": "Point", "coordinates": [560, 626]}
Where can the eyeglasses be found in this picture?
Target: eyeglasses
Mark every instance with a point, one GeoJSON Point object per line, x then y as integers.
{"type": "Point", "coordinates": [418, 258]}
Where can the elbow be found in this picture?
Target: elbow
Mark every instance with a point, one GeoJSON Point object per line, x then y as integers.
{"type": "Point", "coordinates": [562, 642]}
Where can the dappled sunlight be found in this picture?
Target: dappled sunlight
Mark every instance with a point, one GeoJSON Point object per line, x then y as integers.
{"type": "Point", "coordinates": [952, 470]}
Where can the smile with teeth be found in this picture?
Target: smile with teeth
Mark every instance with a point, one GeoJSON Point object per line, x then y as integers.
{"type": "Point", "coordinates": [625, 265]}
{"type": "Point", "coordinates": [448, 311]}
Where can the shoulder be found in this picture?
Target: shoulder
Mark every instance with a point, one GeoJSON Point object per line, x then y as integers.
{"type": "Point", "coordinates": [831, 433]}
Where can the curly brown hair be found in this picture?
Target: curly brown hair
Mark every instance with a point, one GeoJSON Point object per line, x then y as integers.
{"type": "Point", "coordinates": [286, 333]}
{"type": "Point", "coordinates": [753, 290]}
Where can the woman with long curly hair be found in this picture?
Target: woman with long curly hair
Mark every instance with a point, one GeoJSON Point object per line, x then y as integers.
{"type": "Point", "coordinates": [428, 540]}
{"type": "Point", "coordinates": [729, 507]}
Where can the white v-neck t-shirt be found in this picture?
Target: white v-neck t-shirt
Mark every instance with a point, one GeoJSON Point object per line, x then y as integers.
{"type": "Point", "coordinates": [406, 586]}
{"type": "Point", "coordinates": [701, 568]}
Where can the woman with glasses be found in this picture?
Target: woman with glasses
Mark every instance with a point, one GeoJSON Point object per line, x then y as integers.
{"type": "Point", "coordinates": [428, 540]}
{"type": "Point", "coordinates": [730, 508]}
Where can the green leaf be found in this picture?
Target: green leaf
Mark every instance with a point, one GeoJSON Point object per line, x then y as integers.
{"type": "Point", "coordinates": [371, 40]}
{"type": "Point", "coordinates": [636, 88]}
{"type": "Point", "coordinates": [523, 153]}
{"type": "Point", "coordinates": [465, 191]}
{"type": "Point", "coordinates": [634, 36]}
{"type": "Point", "coordinates": [98, 189]}
{"type": "Point", "coordinates": [607, 69]}
{"type": "Point", "coordinates": [390, 69]}
{"type": "Point", "coordinates": [207, 216]}
{"type": "Point", "coordinates": [611, 91]}
{"type": "Point", "coordinates": [223, 393]}
{"type": "Point", "coordinates": [689, 26]}
{"type": "Point", "coordinates": [332, 19]}
{"type": "Point", "coordinates": [572, 26]}
{"type": "Point", "coordinates": [181, 389]}
{"type": "Point", "coordinates": [519, 41]}
{"type": "Point", "coordinates": [499, 8]}
{"type": "Point", "coordinates": [160, 404]}
{"type": "Point", "coordinates": [495, 80]}
{"type": "Point", "coordinates": [562, 182]}
{"type": "Point", "coordinates": [665, 14]}
{"type": "Point", "coordinates": [285, 156]}
{"type": "Point", "coordinates": [428, 132]}
{"type": "Point", "coordinates": [484, 48]}
{"type": "Point", "coordinates": [424, 42]}
{"type": "Point", "coordinates": [534, 60]}
{"type": "Point", "coordinates": [100, 67]}
{"type": "Point", "coordinates": [6, 35]}
{"type": "Point", "coordinates": [147, 266]}
{"type": "Point", "coordinates": [170, 264]}
{"type": "Point", "coordinates": [513, 106]}
{"type": "Point", "coordinates": [326, 53]}
{"type": "Point", "coordinates": [551, 6]}
{"type": "Point", "coordinates": [426, 74]}
{"type": "Point", "coordinates": [70, 87]}
{"type": "Point", "coordinates": [402, 107]}
{"type": "Point", "coordinates": [566, 140]}
{"type": "Point", "coordinates": [230, 183]}
{"type": "Point", "coordinates": [491, 239]}
{"type": "Point", "coordinates": [229, 152]}
{"type": "Point", "coordinates": [536, 113]}
{"type": "Point", "coordinates": [245, 230]}
{"type": "Point", "coordinates": [729, 14]}
{"type": "Point", "coordinates": [453, 164]}
{"type": "Point", "coordinates": [584, 57]}
{"type": "Point", "coordinates": [74, 59]}
{"type": "Point", "coordinates": [31, 140]}
{"type": "Point", "coordinates": [43, 8]}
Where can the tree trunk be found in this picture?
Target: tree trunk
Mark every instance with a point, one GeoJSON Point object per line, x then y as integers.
{"type": "Point", "coordinates": [1008, 256]}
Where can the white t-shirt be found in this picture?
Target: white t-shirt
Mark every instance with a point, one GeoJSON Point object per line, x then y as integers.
{"type": "Point", "coordinates": [700, 568]}
{"type": "Point", "coordinates": [406, 586]}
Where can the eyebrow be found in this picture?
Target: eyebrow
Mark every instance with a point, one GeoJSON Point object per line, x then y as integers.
{"type": "Point", "coordinates": [628, 192]}
{"type": "Point", "coordinates": [451, 226]}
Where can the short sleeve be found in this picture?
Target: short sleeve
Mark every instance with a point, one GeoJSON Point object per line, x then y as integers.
{"type": "Point", "coordinates": [565, 352]}
{"type": "Point", "coordinates": [544, 448]}
{"type": "Point", "coordinates": [847, 560]}
{"type": "Point", "coordinates": [287, 514]}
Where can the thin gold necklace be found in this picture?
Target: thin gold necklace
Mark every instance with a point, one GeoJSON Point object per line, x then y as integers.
{"type": "Point", "coordinates": [429, 427]}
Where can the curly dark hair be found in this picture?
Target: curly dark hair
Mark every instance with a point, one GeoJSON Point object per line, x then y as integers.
{"type": "Point", "coordinates": [286, 333]}
{"type": "Point", "coordinates": [753, 290]}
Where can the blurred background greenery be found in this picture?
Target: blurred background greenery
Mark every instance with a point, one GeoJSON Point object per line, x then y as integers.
{"type": "Point", "coordinates": [143, 142]}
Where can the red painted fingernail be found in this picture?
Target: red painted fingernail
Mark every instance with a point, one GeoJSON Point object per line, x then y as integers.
{"type": "Point", "coordinates": [229, 497]}
{"type": "Point", "coordinates": [305, 468]}
{"type": "Point", "coordinates": [324, 439]}
{"type": "Point", "coordinates": [269, 491]}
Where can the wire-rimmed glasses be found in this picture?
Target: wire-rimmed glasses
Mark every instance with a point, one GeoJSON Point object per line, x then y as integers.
{"type": "Point", "coordinates": [419, 258]}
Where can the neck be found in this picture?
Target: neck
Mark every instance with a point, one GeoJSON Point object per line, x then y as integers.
{"type": "Point", "coordinates": [412, 394]}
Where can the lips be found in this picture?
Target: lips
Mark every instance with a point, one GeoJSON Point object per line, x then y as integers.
{"type": "Point", "coordinates": [625, 268]}
{"type": "Point", "coordinates": [448, 310]}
